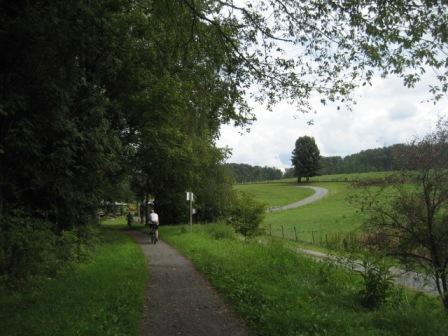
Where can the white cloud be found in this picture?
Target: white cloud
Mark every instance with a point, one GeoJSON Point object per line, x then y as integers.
{"type": "Point", "coordinates": [402, 110]}
{"type": "Point", "coordinates": [386, 113]}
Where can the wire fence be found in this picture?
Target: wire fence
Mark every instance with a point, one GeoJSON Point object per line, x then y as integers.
{"type": "Point", "coordinates": [346, 241]}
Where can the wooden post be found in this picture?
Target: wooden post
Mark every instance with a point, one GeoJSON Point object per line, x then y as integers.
{"type": "Point", "coordinates": [270, 229]}
{"type": "Point", "coordinates": [191, 212]}
{"type": "Point", "coordinates": [295, 233]}
{"type": "Point", "coordinates": [283, 232]}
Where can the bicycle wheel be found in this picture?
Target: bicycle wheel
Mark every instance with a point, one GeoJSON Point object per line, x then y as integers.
{"type": "Point", "coordinates": [152, 237]}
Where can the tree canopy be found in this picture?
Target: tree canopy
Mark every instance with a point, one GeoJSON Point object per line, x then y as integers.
{"type": "Point", "coordinates": [242, 172]}
{"type": "Point", "coordinates": [305, 158]}
{"type": "Point", "coordinates": [377, 159]}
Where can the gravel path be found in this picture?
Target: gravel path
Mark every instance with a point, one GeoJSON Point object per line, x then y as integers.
{"type": "Point", "coordinates": [180, 301]}
{"type": "Point", "coordinates": [410, 279]}
{"type": "Point", "coordinates": [319, 193]}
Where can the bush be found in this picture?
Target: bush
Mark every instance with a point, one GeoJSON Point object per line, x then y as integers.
{"type": "Point", "coordinates": [29, 247]}
{"type": "Point", "coordinates": [377, 283]}
{"type": "Point", "coordinates": [246, 214]}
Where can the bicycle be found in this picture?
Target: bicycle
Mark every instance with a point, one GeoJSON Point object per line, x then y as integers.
{"type": "Point", "coordinates": [152, 234]}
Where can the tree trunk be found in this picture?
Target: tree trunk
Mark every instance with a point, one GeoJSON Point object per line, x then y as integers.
{"type": "Point", "coordinates": [307, 179]}
{"type": "Point", "coordinates": [299, 179]}
{"type": "Point", "coordinates": [444, 292]}
{"type": "Point", "coordinates": [146, 209]}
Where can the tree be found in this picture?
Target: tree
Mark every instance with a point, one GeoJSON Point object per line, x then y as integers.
{"type": "Point", "coordinates": [328, 48]}
{"type": "Point", "coordinates": [305, 158]}
{"type": "Point", "coordinates": [246, 214]}
{"type": "Point", "coordinates": [408, 214]}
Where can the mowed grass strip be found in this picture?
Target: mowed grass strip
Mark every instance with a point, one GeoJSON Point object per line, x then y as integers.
{"type": "Point", "coordinates": [102, 296]}
{"type": "Point", "coordinates": [275, 194]}
{"type": "Point", "coordinates": [282, 293]}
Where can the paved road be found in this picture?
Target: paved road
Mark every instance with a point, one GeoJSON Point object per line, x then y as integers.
{"type": "Point", "coordinates": [180, 301]}
{"type": "Point", "coordinates": [319, 193]}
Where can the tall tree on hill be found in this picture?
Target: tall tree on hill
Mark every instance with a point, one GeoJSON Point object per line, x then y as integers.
{"type": "Point", "coordinates": [305, 158]}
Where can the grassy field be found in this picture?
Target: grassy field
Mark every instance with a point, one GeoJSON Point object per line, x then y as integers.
{"type": "Point", "coordinates": [315, 223]}
{"type": "Point", "coordinates": [275, 194]}
{"type": "Point", "coordinates": [102, 296]}
{"type": "Point", "coordinates": [331, 215]}
{"type": "Point", "coordinates": [279, 292]}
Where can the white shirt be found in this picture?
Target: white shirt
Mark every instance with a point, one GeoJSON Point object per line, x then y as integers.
{"type": "Point", "coordinates": [154, 217]}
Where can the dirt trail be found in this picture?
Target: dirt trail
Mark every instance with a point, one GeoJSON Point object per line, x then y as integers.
{"type": "Point", "coordinates": [180, 301]}
{"type": "Point", "coordinates": [319, 193]}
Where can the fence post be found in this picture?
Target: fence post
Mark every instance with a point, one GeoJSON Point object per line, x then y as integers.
{"type": "Point", "coordinates": [295, 233]}
{"type": "Point", "coordinates": [270, 229]}
{"type": "Point", "coordinates": [283, 232]}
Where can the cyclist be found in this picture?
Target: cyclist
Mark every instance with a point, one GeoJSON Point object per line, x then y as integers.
{"type": "Point", "coordinates": [154, 220]}
{"type": "Point", "coordinates": [130, 219]}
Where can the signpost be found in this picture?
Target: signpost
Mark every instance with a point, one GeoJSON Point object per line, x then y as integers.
{"type": "Point", "coordinates": [190, 197]}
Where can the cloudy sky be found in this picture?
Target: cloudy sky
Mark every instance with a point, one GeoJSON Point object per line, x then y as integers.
{"type": "Point", "coordinates": [386, 113]}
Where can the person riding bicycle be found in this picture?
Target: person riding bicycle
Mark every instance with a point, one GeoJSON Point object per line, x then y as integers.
{"type": "Point", "coordinates": [130, 219]}
{"type": "Point", "coordinates": [154, 222]}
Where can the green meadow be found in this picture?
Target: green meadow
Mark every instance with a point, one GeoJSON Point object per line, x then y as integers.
{"type": "Point", "coordinates": [313, 223]}
{"type": "Point", "coordinates": [330, 215]}
{"type": "Point", "coordinates": [275, 194]}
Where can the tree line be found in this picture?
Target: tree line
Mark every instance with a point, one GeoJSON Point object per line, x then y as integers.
{"type": "Point", "coordinates": [369, 160]}
{"type": "Point", "coordinates": [243, 172]}
{"type": "Point", "coordinates": [377, 159]}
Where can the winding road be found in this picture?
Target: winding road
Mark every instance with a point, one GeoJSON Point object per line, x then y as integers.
{"type": "Point", "coordinates": [319, 193]}
{"type": "Point", "coordinates": [408, 279]}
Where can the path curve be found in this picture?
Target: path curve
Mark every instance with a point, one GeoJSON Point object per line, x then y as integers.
{"type": "Point", "coordinates": [319, 193]}
{"type": "Point", "coordinates": [179, 300]}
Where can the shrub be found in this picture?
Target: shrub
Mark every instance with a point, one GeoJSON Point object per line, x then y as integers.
{"type": "Point", "coordinates": [30, 247]}
{"type": "Point", "coordinates": [26, 244]}
{"type": "Point", "coordinates": [246, 214]}
{"type": "Point", "coordinates": [377, 281]}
